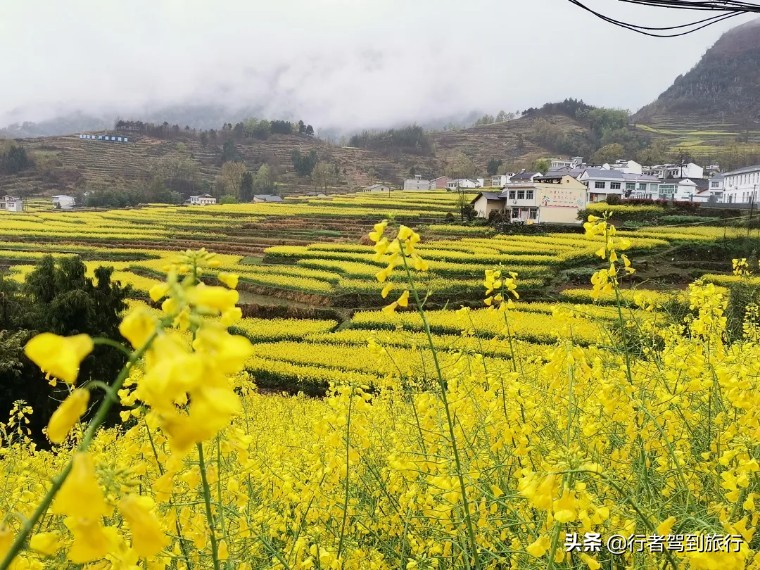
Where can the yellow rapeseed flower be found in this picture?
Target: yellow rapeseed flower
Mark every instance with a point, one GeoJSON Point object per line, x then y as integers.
{"type": "Point", "coordinates": [212, 297]}
{"type": "Point", "coordinates": [147, 537]}
{"type": "Point", "coordinates": [137, 327]}
{"type": "Point", "coordinates": [92, 541]}
{"type": "Point", "coordinates": [80, 495]}
{"type": "Point", "coordinates": [47, 543]}
{"type": "Point", "coordinates": [57, 355]}
{"type": "Point", "coordinates": [67, 415]}
{"type": "Point", "coordinates": [229, 279]}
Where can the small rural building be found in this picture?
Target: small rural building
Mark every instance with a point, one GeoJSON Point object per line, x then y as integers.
{"type": "Point", "coordinates": [500, 180]}
{"type": "Point", "coordinates": [467, 183]}
{"type": "Point", "coordinates": [686, 170]}
{"type": "Point", "coordinates": [440, 183]}
{"type": "Point", "coordinates": [524, 176]}
{"type": "Point", "coordinates": [717, 187]}
{"type": "Point", "coordinates": [202, 200]}
{"type": "Point", "coordinates": [377, 188]}
{"type": "Point", "coordinates": [63, 202]}
{"type": "Point", "coordinates": [487, 202]}
{"type": "Point", "coordinates": [266, 198]}
{"type": "Point", "coordinates": [11, 204]}
{"type": "Point", "coordinates": [416, 183]}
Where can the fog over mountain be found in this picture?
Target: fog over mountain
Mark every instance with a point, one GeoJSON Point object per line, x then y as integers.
{"type": "Point", "coordinates": [339, 64]}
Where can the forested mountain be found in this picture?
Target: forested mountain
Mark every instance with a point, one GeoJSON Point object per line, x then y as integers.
{"type": "Point", "coordinates": [722, 88]}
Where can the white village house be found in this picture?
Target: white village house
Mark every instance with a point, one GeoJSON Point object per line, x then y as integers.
{"type": "Point", "coordinates": [686, 170]}
{"type": "Point", "coordinates": [416, 183]}
{"type": "Point", "coordinates": [468, 183]}
{"type": "Point", "coordinates": [202, 200]}
{"type": "Point", "coordinates": [376, 188]}
{"type": "Point", "coordinates": [741, 186]}
{"type": "Point", "coordinates": [63, 202]}
{"type": "Point", "coordinates": [267, 198]}
{"type": "Point", "coordinates": [11, 204]}
{"type": "Point", "coordinates": [500, 180]}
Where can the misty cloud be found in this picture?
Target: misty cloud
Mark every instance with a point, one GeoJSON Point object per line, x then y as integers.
{"type": "Point", "coordinates": [336, 63]}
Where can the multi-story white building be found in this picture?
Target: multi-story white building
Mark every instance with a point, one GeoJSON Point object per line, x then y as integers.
{"type": "Point", "coordinates": [717, 187]}
{"type": "Point", "coordinates": [627, 167]}
{"type": "Point", "coordinates": [602, 182]}
{"type": "Point", "coordinates": [552, 199]}
{"type": "Point", "coordinates": [641, 186]}
{"type": "Point", "coordinates": [500, 180]}
{"type": "Point", "coordinates": [557, 163]}
{"type": "Point", "coordinates": [663, 171]}
{"type": "Point", "coordinates": [741, 186]}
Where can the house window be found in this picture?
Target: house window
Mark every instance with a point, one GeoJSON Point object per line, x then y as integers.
{"type": "Point", "coordinates": [534, 213]}
{"type": "Point", "coordinates": [521, 194]}
{"type": "Point", "coordinates": [511, 194]}
{"type": "Point", "coordinates": [601, 185]}
{"type": "Point", "coordinates": [714, 184]}
{"type": "Point", "coordinates": [630, 186]}
{"type": "Point", "coordinates": [529, 194]}
{"type": "Point", "coordinates": [642, 186]}
{"type": "Point", "coordinates": [615, 186]}
{"type": "Point", "coordinates": [515, 213]}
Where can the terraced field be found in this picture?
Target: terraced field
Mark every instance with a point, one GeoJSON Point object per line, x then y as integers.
{"type": "Point", "coordinates": [307, 258]}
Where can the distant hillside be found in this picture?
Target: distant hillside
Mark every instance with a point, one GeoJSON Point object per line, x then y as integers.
{"type": "Point", "coordinates": [721, 89]}
{"type": "Point", "coordinates": [68, 163]}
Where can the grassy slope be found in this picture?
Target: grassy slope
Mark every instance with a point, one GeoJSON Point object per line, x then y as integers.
{"type": "Point", "coordinates": [66, 163]}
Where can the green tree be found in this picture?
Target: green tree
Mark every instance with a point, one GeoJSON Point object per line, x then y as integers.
{"type": "Point", "coordinates": [460, 166]}
{"type": "Point", "coordinates": [608, 153]}
{"type": "Point", "coordinates": [324, 175]}
{"type": "Point", "coordinates": [230, 178]}
{"type": "Point", "coordinates": [246, 187]}
{"type": "Point", "coordinates": [304, 163]}
{"type": "Point", "coordinates": [264, 181]}
{"type": "Point", "coordinates": [493, 166]}
{"type": "Point", "coordinates": [541, 165]}
{"type": "Point", "coordinates": [57, 297]}
{"type": "Point", "coordinates": [229, 152]}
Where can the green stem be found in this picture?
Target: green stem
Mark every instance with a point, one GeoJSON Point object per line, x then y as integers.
{"type": "Point", "coordinates": [219, 487]}
{"type": "Point", "coordinates": [89, 434]}
{"type": "Point", "coordinates": [348, 450]}
{"type": "Point", "coordinates": [449, 419]}
{"type": "Point", "coordinates": [177, 525]}
{"type": "Point", "coordinates": [207, 501]}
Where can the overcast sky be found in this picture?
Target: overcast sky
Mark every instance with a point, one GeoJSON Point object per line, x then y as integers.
{"type": "Point", "coordinates": [338, 63]}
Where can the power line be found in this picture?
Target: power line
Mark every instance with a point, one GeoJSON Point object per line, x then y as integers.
{"type": "Point", "coordinates": [723, 9]}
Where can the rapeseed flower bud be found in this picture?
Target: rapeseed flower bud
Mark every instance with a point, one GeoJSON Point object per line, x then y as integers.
{"type": "Point", "coordinates": [67, 415]}
{"type": "Point", "coordinates": [92, 541]}
{"type": "Point", "coordinates": [47, 543]}
{"type": "Point", "coordinates": [158, 291]}
{"type": "Point", "coordinates": [147, 537]}
{"type": "Point", "coordinates": [80, 495]}
{"type": "Point", "coordinates": [57, 355]}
